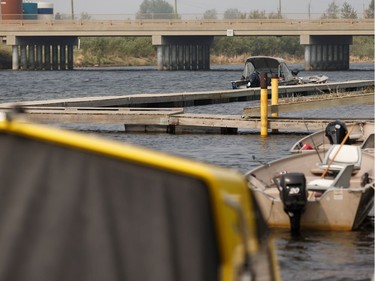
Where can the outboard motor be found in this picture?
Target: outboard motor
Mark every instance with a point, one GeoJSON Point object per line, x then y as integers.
{"type": "Point", "coordinates": [254, 80]}
{"type": "Point", "coordinates": [336, 132]}
{"type": "Point", "coordinates": [293, 194]}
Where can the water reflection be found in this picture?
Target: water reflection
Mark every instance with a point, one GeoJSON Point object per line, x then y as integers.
{"type": "Point", "coordinates": [327, 255]}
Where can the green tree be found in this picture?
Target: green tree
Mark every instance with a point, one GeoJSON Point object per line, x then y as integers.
{"type": "Point", "coordinates": [155, 9]}
{"type": "Point", "coordinates": [363, 47]}
{"type": "Point", "coordinates": [234, 14]}
{"type": "Point", "coordinates": [275, 16]}
{"type": "Point", "coordinates": [332, 11]}
{"type": "Point", "coordinates": [348, 12]}
{"type": "Point", "coordinates": [210, 14]}
{"type": "Point", "coordinates": [258, 45]}
{"type": "Point", "coordinates": [85, 16]}
{"type": "Point", "coordinates": [369, 12]}
{"type": "Point", "coordinates": [256, 14]}
{"type": "Point", "coordinates": [99, 47]}
{"type": "Point", "coordinates": [116, 50]}
{"type": "Point", "coordinates": [59, 16]}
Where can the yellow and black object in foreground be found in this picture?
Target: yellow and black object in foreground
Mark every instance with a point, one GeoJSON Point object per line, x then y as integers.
{"type": "Point", "coordinates": [78, 207]}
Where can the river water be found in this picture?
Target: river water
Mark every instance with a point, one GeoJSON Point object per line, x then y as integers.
{"type": "Point", "coordinates": [312, 256]}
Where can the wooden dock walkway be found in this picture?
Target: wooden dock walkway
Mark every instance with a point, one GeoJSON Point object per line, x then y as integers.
{"type": "Point", "coordinates": [313, 102]}
{"type": "Point", "coordinates": [171, 120]}
{"type": "Point", "coordinates": [145, 112]}
{"type": "Point", "coordinates": [198, 98]}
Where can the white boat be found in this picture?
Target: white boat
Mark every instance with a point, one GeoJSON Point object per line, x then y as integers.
{"type": "Point", "coordinates": [335, 131]}
{"type": "Point", "coordinates": [320, 189]}
{"type": "Point", "coordinates": [272, 65]}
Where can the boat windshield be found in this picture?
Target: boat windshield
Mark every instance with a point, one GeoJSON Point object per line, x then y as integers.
{"type": "Point", "coordinates": [270, 66]}
{"type": "Point", "coordinates": [285, 72]}
{"type": "Point", "coordinates": [249, 68]}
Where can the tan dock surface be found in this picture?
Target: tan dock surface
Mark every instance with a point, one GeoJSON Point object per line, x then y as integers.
{"type": "Point", "coordinates": [185, 99]}
{"type": "Point", "coordinates": [154, 115]}
{"type": "Point", "coordinates": [314, 102]}
{"type": "Point", "coordinates": [170, 120]}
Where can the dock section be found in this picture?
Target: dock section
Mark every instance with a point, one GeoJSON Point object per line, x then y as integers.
{"type": "Point", "coordinates": [171, 120]}
{"type": "Point", "coordinates": [97, 115]}
{"type": "Point", "coordinates": [199, 98]}
{"type": "Point", "coordinates": [313, 102]}
{"type": "Point", "coordinates": [153, 116]}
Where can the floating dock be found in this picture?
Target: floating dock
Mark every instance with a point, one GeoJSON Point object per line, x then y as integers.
{"type": "Point", "coordinates": [199, 98]}
{"type": "Point", "coordinates": [313, 102]}
{"type": "Point", "coordinates": [154, 118]}
{"type": "Point", "coordinates": [172, 120]}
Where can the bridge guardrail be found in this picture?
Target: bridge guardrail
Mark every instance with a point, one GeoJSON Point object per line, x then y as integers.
{"type": "Point", "coordinates": [209, 27]}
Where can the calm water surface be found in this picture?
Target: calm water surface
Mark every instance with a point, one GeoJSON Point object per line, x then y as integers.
{"type": "Point", "coordinates": [312, 256]}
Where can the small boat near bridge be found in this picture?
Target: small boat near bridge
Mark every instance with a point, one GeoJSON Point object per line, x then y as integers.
{"type": "Point", "coordinates": [272, 65]}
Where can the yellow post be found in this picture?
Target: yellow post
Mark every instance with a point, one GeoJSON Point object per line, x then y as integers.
{"type": "Point", "coordinates": [275, 98]}
{"type": "Point", "coordinates": [263, 105]}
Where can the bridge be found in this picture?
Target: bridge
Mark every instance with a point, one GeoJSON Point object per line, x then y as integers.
{"type": "Point", "coordinates": [181, 44]}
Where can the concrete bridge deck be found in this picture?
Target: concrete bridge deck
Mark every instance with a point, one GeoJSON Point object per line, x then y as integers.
{"type": "Point", "coordinates": [177, 27]}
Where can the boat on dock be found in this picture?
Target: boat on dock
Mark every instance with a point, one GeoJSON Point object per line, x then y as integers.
{"type": "Point", "coordinates": [324, 189]}
{"type": "Point", "coordinates": [272, 66]}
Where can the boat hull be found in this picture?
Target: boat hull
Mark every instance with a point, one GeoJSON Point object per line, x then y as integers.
{"type": "Point", "coordinates": [319, 140]}
{"type": "Point", "coordinates": [337, 209]}
{"type": "Point", "coordinates": [328, 207]}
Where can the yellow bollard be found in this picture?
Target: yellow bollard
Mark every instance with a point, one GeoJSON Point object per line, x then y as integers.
{"type": "Point", "coordinates": [263, 105]}
{"type": "Point", "coordinates": [275, 98]}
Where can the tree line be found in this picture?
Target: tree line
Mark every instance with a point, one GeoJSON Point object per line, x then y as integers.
{"type": "Point", "coordinates": [160, 9]}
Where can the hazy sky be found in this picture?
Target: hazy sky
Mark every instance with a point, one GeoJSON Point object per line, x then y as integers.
{"type": "Point", "coordinates": [200, 6]}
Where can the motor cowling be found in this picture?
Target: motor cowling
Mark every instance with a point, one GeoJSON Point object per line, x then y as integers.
{"type": "Point", "coordinates": [293, 194]}
{"type": "Point", "coordinates": [254, 80]}
{"type": "Point", "coordinates": [336, 132]}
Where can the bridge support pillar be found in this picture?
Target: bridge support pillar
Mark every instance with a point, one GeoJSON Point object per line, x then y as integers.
{"type": "Point", "coordinates": [39, 58]}
{"type": "Point", "coordinates": [15, 57]}
{"type": "Point", "coordinates": [23, 49]}
{"type": "Point", "coordinates": [326, 52]}
{"type": "Point", "coordinates": [62, 57]}
{"type": "Point", "coordinates": [183, 52]}
{"type": "Point", "coordinates": [27, 52]}
{"type": "Point", "coordinates": [70, 57]}
{"type": "Point", "coordinates": [55, 57]}
{"type": "Point", "coordinates": [31, 56]}
{"type": "Point", "coordinates": [47, 57]}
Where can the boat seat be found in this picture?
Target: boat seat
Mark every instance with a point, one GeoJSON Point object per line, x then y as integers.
{"type": "Point", "coordinates": [347, 155]}
{"type": "Point", "coordinates": [342, 180]}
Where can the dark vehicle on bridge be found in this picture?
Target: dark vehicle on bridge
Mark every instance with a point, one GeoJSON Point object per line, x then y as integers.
{"type": "Point", "coordinates": [271, 65]}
